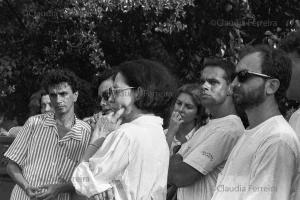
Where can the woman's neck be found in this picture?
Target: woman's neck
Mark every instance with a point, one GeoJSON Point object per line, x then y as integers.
{"type": "Point", "coordinates": [134, 114]}
{"type": "Point", "coordinates": [184, 129]}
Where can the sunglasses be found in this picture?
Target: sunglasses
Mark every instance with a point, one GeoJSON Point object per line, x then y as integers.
{"type": "Point", "coordinates": [105, 95]}
{"type": "Point", "coordinates": [244, 75]}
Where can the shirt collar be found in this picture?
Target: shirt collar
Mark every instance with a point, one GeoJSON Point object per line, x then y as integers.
{"type": "Point", "coordinates": [74, 133]}
{"type": "Point", "coordinates": [188, 136]}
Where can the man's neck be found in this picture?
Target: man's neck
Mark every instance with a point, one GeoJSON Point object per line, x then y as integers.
{"type": "Point", "coordinates": [222, 110]}
{"type": "Point", "coordinates": [262, 112]}
{"type": "Point", "coordinates": [66, 120]}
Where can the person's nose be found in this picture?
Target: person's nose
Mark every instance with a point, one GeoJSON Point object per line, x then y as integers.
{"type": "Point", "coordinates": [103, 102]}
{"type": "Point", "coordinates": [205, 86]}
{"type": "Point", "coordinates": [59, 99]}
{"type": "Point", "coordinates": [181, 108]}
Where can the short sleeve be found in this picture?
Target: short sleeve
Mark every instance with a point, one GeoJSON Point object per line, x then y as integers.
{"type": "Point", "coordinates": [18, 150]}
{"type": "Point", "coordinates": [109, 162]}
{"type": "Point", "coordinates": [212, 152]}
{"type": "Point", "coordinates": [295, 122]}
{"type": "Point", "coordinates": [272, 174]}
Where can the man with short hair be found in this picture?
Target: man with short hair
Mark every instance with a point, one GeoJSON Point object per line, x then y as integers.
{"type": "Point", "coordinates": [49, 146]}
{"type": "Point", "coordinates": [265, 161]}
{"type": "Point", "coordinates": [194, 169]}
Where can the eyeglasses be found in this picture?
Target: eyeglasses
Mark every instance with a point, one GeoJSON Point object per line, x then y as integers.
{"type": "Point", "coordinates": [117, 91]}
{"type": "Point", "coordinates": [244, 75]}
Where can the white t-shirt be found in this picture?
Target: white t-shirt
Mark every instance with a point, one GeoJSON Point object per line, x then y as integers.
{"type": "Point", "coordinates": [295, 122]}
{"type": "Point", "coordinates": [133, 160]}
{"type": "Point", "coordinates": [263, 164]}
{"type": "Point", "coordinates": [207, 152]}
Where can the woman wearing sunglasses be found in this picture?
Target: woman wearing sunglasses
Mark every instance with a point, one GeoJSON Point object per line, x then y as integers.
{"type": "Point", "coordinates": [130, 162]}
{"type": "Point", "coordinates": [105, 82]}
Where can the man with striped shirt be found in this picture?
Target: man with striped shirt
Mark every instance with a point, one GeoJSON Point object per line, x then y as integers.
{"type": "Point", "coordinates": [49, 146]}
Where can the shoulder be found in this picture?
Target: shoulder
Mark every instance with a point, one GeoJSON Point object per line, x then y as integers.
{"type": "Point", "coordinates": [279, 133]}
{"type": "Point", "coordinates": [39, 119]}
{"type": "Point", "coordinates": [229, 125]}
{"type": "Point", "coordinates": [295, 118]}
{"type": "Point", "coordinates": [83, 125]}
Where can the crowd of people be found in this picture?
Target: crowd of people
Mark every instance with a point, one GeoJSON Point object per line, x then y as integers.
{"type": "Point", "coordinates": [223, 138]}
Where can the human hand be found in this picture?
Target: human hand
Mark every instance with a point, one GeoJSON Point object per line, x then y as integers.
{"type": "Point", "coordinates": [106, 124]}
{"type": "Point", "coordinates": [175, 122]}
{"type": "Point", "coordinates": [92, 120]}
{"type": "Point", "coordinates": [50, 192]}
{"type": "Point", "coordinates": [106, 195]}
{"type": "Point", "coordinates": [31, 192]}
{"type": "Point", "coordinates": [176, 158]}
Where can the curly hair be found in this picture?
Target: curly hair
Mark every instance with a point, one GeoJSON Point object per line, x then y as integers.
{"type": "Point", "coordinates": [194, 90]}
{"type": "Point", "coordinates": [154, 83]}
{"type": "Point", "coordinates": [57, 76]}
{"type": "Point", "coordinates": [275, 63]}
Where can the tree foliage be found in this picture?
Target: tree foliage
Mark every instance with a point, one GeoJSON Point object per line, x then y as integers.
{"type": "Point", "coordinates": [89, 36]}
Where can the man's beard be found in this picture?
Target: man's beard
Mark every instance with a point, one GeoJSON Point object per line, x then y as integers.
{"type": "Point", "coordinates": [248, 100]}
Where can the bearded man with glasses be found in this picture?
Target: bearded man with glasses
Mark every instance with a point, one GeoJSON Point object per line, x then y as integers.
{"type": "Point", "coordinates": [264, 164]}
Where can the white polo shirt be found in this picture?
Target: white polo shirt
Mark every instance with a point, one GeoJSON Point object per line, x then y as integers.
{"type": "Point", "coordinates": [263, 165]}
{"type": "Point", "coordinates": [207, 151]}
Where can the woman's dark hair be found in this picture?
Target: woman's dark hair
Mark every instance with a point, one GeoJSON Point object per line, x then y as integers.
{"type": "Point", "coordinates": [155, 85]}
{"type": "Point", "coordinates": [58, 76]}
{"type": "Point", "coordinates": [194, 90]}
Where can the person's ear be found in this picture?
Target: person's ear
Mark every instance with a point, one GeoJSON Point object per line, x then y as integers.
{"type": "Point", "coordinates": [230, 90]}
{"type": "Point", "coordinates": [272, 86]}
{"type": "Point", "coordinates": [139, 92]}
{"type": "Point", "coordinates": [75, 96]}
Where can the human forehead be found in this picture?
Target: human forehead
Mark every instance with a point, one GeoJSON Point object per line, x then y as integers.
{"type": "Point", "coordinates": [186, 98]}
{"type": "Point", "coordinates": [61, 87]}
{"type": "Point", "coordinates": [213, 72]}
{"type": "Point", "coordinates": [45, 99]}
{"type": "Point", "coordinates": [251, 62]}
{"type": "Point", "coordinates": [120, 81]}
{"type": "Point", "coordinates": [105, 85]}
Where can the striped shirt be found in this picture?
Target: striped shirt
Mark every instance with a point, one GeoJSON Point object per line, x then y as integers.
{"type": "Point", "coordinates": [43, 157]}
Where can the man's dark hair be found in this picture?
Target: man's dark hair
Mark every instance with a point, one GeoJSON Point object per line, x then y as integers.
{"type": "Point", "coordinates": [57, 76]}
{"type": "Point", "coordinates": [226, 65]}
{"type": "Point", "coordinates": [155, 84]}
{"type": "Point", "coordinates": [275, 63]}
{"type": "Point", "coordinates": [291, 43]}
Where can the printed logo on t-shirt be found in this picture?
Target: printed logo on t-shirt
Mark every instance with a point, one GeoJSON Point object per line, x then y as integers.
{"type": "Point", "coordinates": [208, 155]}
